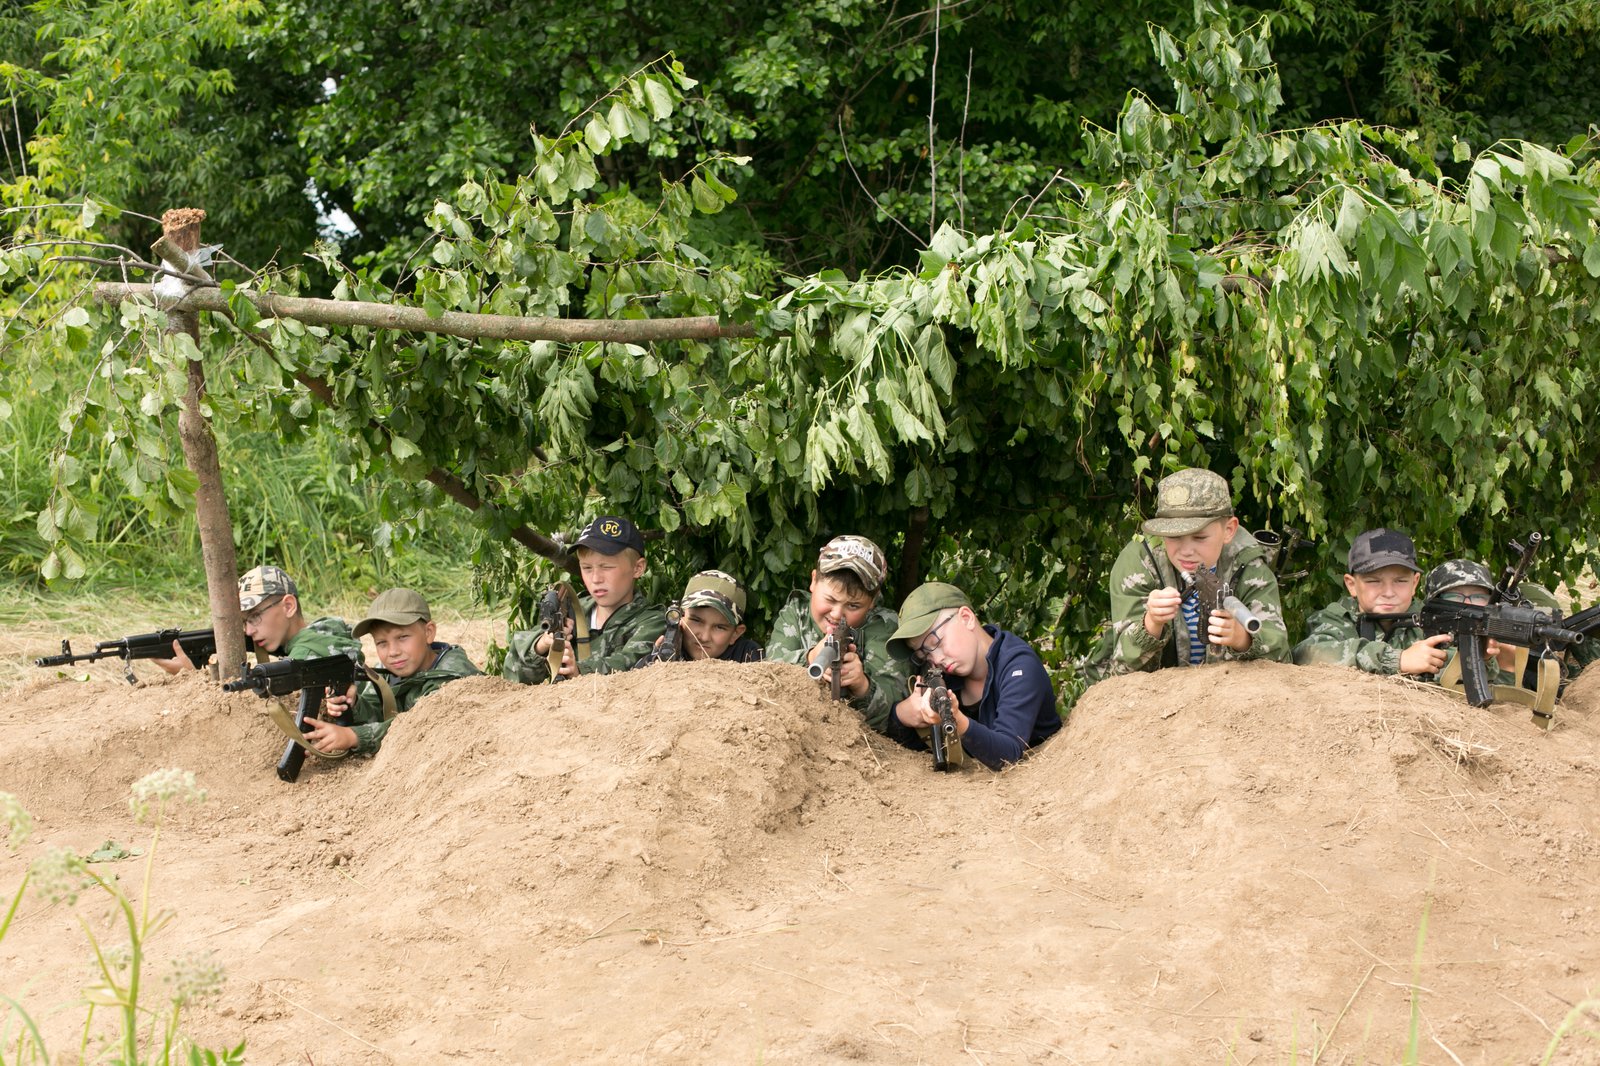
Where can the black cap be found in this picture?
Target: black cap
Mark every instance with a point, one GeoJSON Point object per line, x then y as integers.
{"type": "Point", "coordinates": [609, 534]}
{"type": "Point", "coordinates": [1378, 548]}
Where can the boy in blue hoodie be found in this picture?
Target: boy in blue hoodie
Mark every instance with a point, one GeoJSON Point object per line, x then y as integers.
{"type": "Point", "coordinates": [1004, 702]}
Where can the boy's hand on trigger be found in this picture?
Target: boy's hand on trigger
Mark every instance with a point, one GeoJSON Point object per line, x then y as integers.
{"type": "Point", "coordinates": [852, 676]}
{"type": "Point", "coordinates": [329, 736]}
{"type": "Point", "coordinates": [337, 706]}
{"type": "Point", "coordinates": [541, 646]}
{"type": "Point", "coordinates": [1160, 608]}
{"type": "Point", "coordinates": [179, 662]}
{"type": "Point", "coordinates": [569, 662]}
{"type": "Point", "coordinates": [1426, 656]}
{"type": "Point", "coordinates": [1223, 630]}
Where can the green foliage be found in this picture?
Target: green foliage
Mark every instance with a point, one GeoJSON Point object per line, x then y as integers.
{"type": "Point", "coordinates": [141, 1033]}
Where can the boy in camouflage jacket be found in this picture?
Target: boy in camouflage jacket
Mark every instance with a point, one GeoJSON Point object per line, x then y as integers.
{"type": "Point", "coordinates": [1153, 623]}
{"type": "Point", "coordinates": [1381, 578]}
{"type": "Point", "coordinates": [847, 585]}
{"type": "Point", "coordinates": [622, 626]}
{"type": "Point", "coordinates": [275, 622]}
{"type": "Point", "coordinates": [414, 665]}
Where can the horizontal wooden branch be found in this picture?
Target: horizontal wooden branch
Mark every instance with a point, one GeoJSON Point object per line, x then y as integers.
{"type": "Point", "coordinates": [452, 323]}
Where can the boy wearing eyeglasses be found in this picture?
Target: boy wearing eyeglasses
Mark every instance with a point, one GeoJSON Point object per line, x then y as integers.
{"type": "Point", "coordinates": [1381, 576]}
{"type": "Point", "coordinates": [1004, 702]}
{"type": "Point", "coordinates": [275, 621]}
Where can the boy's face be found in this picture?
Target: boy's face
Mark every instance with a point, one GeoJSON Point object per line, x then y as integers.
{"type": "Point", "coordinates": [1195, 550]}
{"type": "Point", "coordinates": [268, 625]}
{"type": "Point", "coordinates": [707, 633]}
{"type": "Point", "coordinates": [832, 601]}
{"type": "Point", "coordinates": [1387, 590]}
{"type": "Point", "coordinates": [403, 650]}
{"type": "Point", "coordinates": [610, 578]}
{"type": "Point", "coordinates": [951, 643]}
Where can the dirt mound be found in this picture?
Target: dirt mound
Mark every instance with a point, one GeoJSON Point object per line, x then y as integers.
{"type": "Point", "coordinates": [705, 862]}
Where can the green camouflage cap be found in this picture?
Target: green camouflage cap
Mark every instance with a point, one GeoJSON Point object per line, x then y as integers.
{"type": "Point", "coordinates": [1455, 574]}
{"type": "Point", "coordinates": [713, 588]}
{"type": "Point", "coordinates": [262, 584]}
{"type": "Point", "coordinates": [859, 556]}
{"type": "Point", "coordinates": [397, 607]}
{"type": "Point", "coordinates": [923, 608]}
{"type": "Point", "coordinates": [1187, 502]}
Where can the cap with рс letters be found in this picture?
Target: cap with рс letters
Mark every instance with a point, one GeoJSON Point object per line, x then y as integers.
{"type": "Point", "coordinates": [396, 607]}
{"type": "Point", "coordinates": [610, 534]}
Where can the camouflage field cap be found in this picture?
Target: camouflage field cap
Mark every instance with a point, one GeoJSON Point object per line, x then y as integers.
{"type": "Point", "coordinates": [1378, 548]}
{"type": "Point", "coordinates": [262, 584]}
{"type": "Point", "coordinates": [1455, 574]}
{"type": "Point", "coordinates": [1187, 502]}
{"type": "Point", "coordinates": [396, 607]}
{"type": "Point", "coordinates": [610, 534]}
{"type": "Point", "coordinates": [859, 556]}
{"type": "Point", "coordinates": [922, 609]}
{"type": "Point", "coordinates": [713, 588]}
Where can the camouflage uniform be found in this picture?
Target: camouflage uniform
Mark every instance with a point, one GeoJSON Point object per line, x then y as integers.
{"type": "Point", "coordinates": [627, 637]}
{"type": "Point", "coordinates": [795, 633]}
{"type": "Point", "coordinates": [367, 714]}
{"type": "Point", "coordinates": [324, 637]}
{"type": "Point", "coordinates": [1335, 637]}
{"type": "Point", "coordinates": [1144, 567]}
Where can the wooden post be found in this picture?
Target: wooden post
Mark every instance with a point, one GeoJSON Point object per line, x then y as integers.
{"type": "Point", "coordinates": [181, 228]}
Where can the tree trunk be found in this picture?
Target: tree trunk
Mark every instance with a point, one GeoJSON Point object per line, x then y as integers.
{"type": "Point", "coordinates": [182, 228]}
{"type": "Point", "coordinates": [911, 554]}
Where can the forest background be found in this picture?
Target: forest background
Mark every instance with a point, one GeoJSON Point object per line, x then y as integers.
{"type": "Point", "coordinates": [1002, 264]}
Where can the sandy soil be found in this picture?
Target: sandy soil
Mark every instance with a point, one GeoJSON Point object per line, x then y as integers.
{"type": "Point", "coordinates": [707, 863]}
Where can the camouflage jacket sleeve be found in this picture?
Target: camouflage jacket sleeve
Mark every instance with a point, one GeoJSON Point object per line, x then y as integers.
{"type": "Point", "coordinates": [324, 637]}
{"type": "Point", "coordinates": [886, 671]}
{"type": "Point", "coordinates": [1255, 584]}
{"type": "Point", "coordinates": [1335, 638]}
{"type": "Point", "coordinates": [1133, 578]}
{"type": "Point", "coordinates": [794, 634]}
{"type": "Point", "coordinates": [627, 637]}
{"type": "Point", "coordinates": [522, 664]}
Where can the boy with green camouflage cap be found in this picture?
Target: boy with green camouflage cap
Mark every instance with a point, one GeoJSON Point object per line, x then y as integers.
{"type": "Point", "coordinates": [1381, 575]}
{"type": "Point", "coordinates": [1465, 581]}
{"type": "Point", "coordinates": [413, 665]}
{"type": "Point", "coordinates": [275, 622]}
{"type": "Point", "coordinates": [1155, 614]}
{"type": "Point", "coordinates": [846, 589]}
{"type": "Point", "coordinates": [623, 626]}
{"type": "Point", "coordinates": [710, 625]}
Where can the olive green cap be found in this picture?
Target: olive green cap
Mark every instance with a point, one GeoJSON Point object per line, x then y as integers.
{"type": "Point", "coordinates": [1188, 501]}
{"type": "Point", "coordinates": [397, 607]}
{"type": "Point", "coordinates": [922, 609]}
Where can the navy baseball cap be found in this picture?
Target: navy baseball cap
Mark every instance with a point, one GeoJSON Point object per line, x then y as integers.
{"type": "Point", "coordinates": [610, 534]}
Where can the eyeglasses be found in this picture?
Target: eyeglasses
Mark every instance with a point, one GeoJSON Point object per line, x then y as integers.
{"type": "Point", "coordinates": [1477, 599]}
{"type": "Point", "coordinates": [925, 649]}
{"type": "Point", "coordinates": [255, 616]}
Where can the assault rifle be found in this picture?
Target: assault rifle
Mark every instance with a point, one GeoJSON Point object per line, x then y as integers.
{"type": "Point", "coordinates": [1215, 594]}
{"type": "Point", "coordinates": [942, 738]}
{"type": "Point", "coordinates": [556, 607]}
{"type": "Point", "coordinates": [198, 644]}
{"type": "Point", "coordinates": [670, 646]}
{"type": "Point", "coordinates": [312, 678]}
{"type": "Point", "coordinates": [1278, 547]}
{"type": "Point", "coordinates": [839, 640]}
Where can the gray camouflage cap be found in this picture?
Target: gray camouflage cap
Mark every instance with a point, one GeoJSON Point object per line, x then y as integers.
{"type": "Point", "coordinates": [1455, 574]}
{"type": "Point", "coordinates": [859, 556]}
{"type": "Point", "coordinates": [261, 584]}
{"type": "Point", "coordinates": [1378, 548]}
{"type": "Point", "coordinates": [1187, 502]}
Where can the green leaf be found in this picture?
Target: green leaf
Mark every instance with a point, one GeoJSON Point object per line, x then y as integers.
{"type": "Point", "coordinates": [658, 96]}
{"type": "Point", "coordinates": [597, 135]}
{"type": "Point", "coordinates": [705, 199]}
{"type": "Point", "coordinates": [401, 448]}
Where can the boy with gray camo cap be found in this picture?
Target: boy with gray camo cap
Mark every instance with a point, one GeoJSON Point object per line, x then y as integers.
{"type": "Point", "coordinates": [847, 586]}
